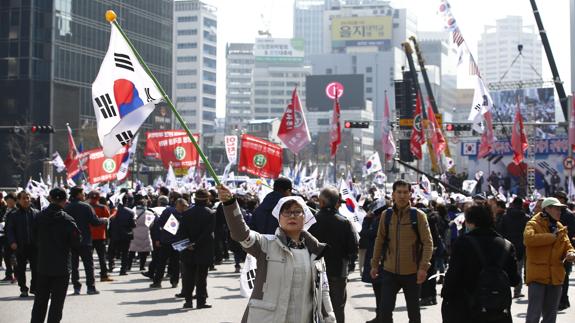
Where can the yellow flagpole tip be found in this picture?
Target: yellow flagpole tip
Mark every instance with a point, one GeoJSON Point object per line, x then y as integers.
{"type": "Point", "coordinates": [110, 15]}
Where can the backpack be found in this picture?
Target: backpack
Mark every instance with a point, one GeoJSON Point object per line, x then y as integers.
{"type": "Point", "coordinates": [413, 220]}
{"type": "Point", "coordinates": [492, 297]}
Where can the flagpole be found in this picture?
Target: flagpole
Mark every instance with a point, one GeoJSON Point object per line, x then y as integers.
{"type": "Point", "coordinates": [111, 17]}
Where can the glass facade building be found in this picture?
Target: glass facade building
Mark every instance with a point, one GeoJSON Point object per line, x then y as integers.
{"type": "Point", "coordinates": [50, 53]}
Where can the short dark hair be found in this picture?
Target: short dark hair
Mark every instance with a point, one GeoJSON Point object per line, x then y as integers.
{"type": "Point", "coordinates": [517, 202]}
{"type": "Point", "coordinates": [10, 196]}
{"type": "Point", "coordinates": [480, 215]}
{"type": "Point", "coordinates": [74, 191]}
{"type": "Point", "coordinates": [400, 182]}
{"type": "Point", "coordinates": [164, 191]}
{"type": "Point", "coordinates": [22, 193]}
{"type": "Point", "coordinates": [282, 184]}
{"type": "Point", "coordinates": [288, 205]}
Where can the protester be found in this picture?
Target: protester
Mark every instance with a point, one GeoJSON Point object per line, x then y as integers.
{"type": "Point", "coordinates": [56, 234]}
{"type": "Point", "coordinates": [84, 216]}
{"type": "Point", "coordinates": [568, 220]}
{"type": "Point", "coordinates": [263, 221]}
{"type": "Point", "coordinates": [477, 256]}
{"type": "Point", "coordinates": [547, 247]}
{"type": "Point", "coordinates": [99, 234]}
{"type": "Point", "coordinates": [19, 235]}
{"type": "Point", "coordinates": [290, 250]}
{"type": "Point", "coordinates": [406, 248]}
{"type": "Point", "coordinates": [5, 249]}
{"type": "Point", "coordinates": [337, 232]}
{"type": "Point", "coordinates": [142, 242]}
{"type": "Point", "coordinates": [162, 202]}
{"type": "Point", "coordinates": [121, 233]}
{"type": "Point", "coordinates": [197, 225]}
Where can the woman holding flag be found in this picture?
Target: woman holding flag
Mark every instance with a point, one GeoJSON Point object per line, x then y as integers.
{"type": "Point", "coordinates": [290, 284]}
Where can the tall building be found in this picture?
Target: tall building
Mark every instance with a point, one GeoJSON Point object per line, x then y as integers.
{"type": "Point", "coordinates": [308, 24]}
{"type": "Point", "coordinates": [497, 49]}
{"type": "Point", "coordinates": [239, 69]}
{"type": "Point", "coordinates": [50, 53]}
{"type": "Point", "coordinates": [194, 82]}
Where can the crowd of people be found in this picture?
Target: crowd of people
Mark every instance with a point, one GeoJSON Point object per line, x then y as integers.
{"type": "Point", "coordinates": [481, 249]}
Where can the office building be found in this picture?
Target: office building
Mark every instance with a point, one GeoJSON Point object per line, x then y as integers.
{"type": "Point", "coordinates": [239, 69]}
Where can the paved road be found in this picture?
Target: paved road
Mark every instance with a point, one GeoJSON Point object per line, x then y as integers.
{"type": "Point", "coordinates": [128, 298]}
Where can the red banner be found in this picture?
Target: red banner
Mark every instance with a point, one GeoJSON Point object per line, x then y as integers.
{"type": "Point", "coordinates": [178, 151]}
{"type": "Point", "coordinates": [260, 158]}
{"type": "Point", "coordinates": [102, 168]}
{"type": "Point", "coordinates": [417, 138]}
{"type": "Point", "coordinates": [293, 131]}
{"type": "Point", "coordinates": [152, 138]}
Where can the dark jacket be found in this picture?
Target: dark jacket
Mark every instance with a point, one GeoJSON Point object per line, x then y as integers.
{"type": "Point", "coordinates": [369, 233]}
{"type": "Point", "coordinates": [335, 231]}
{"type": "Point", "coordinates": [55, 234]}
{"type": "Point", "coordinates": [463, 271]}
{"type": "Point", "coordinates": [198, 224]}
{"type": "Point", "coordinates": [122, 225]}
{"type": "Point", "coordinates": [263, 220]}
{"type": "Point", "coordinates": [84, 216]}
{"type": "Point", "coordinates": [19, 227]}
{"type": "Point", "coordinates": [158, 233]}
{"type": "Point", "coordinates": [568, 220]}
{"type": "Point", "coordinates": [512, 227]}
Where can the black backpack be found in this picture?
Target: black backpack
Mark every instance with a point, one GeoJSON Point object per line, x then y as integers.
{"type": "Point", "coordinates": [414, 226]}
{"type": "Point", "coordinates": [491, 300]}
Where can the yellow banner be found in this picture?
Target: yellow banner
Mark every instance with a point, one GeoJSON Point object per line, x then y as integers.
{"type": "Point", "coordinates": [361, 28]}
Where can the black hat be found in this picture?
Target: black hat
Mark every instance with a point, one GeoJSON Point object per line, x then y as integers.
{"type": "Point", "coordinates": [560, 194]}
{"type": "Point", "coordinates": [58, 195]}
{"type": "Point", "coordinates": [202, 194]}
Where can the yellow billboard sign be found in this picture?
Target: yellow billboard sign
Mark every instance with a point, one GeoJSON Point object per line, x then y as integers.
{"type": "Point", "coordinates": [361, 31]}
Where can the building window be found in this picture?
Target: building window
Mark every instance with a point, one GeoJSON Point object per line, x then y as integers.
{"type": "Point", "coordinates": [210, 89]}
{"type": "Point", "coordinates": [209, 49]}
{"type": "Point", "coordinates": [368, 69]}
{"type": "Point", "coordinates": [323, 122]}
{"type": "Point", "coordinates": [209, 115]}
{"type": "Point", "coordinates": [186, 99]}
{"type": "Point", "coordinates": [210, 62]}
{"type": "Point", "coordinates": [261, 101]}
{"type": "Point", "coordinates": [209, 103]}
{"type": "Point", "coordinates": [262, 110]}
{"type": "Point", "coordinates": [187, 72]}
{"type": "Point", "coordinates": [209, 76]}
{"type": "Point", "coordinates": [328, 71]}
{"type": "Point", "coordinates": [182, 86]}
{"type": "Point", "coordinates": [186, 59]}
{"type": "Point", "coordinates": [211, 36]}
{"type": "Point", "coordinates": [187, 18]}
{"type": "Point", "coordinates": [187, 45]}
{"type": "Point", "coordinates": [261, 92]}
{"type": "Point", "coordinates": [369, 79]}
{"type": "Point", "coordinates": [210, 22]}
{"type": "Point", "coordinates": [187, 32]}
{"type": "Point", "coordinates": [368, 90]}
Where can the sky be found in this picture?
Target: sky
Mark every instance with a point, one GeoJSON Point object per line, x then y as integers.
{"type": "Point", "coordinates": [239, 21]}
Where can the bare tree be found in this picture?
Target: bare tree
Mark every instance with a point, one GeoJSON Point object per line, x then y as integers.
{"type": "Point", "coordinates": [25, 150]}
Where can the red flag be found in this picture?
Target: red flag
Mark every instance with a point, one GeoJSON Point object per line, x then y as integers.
{"type": "Point", "coordinates": [437, 139]}
{"type": "Point", "coordinates": [488, 137]}
{"type": "Point", "coordinates": [102, 168]}
{"type": "Point", "coordinates": [259, 157]}
{"type": "Point", "coordinates": [72, 161]}
{"type": "Point", "coordinates": [417, 138]}
{"type": "Point", "coordinates": [178, 152]}
{"type": "Point", "coordinates": [153, 137]}
{"type": "Point", "coordinates": [293, 130]}
{"type": "Point", "coordinates": [335, 133]}
{"type": "Point", "coordinates": [518, 138]}
{"type": "Point", "coordinates": [572, 125]}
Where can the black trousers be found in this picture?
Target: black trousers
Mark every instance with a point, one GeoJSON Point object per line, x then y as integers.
{"type": "Point", "coordinates": [5, 254]}
{"type": "Point", "coordinates": [338, 296]}
{"type": "Point", "coordinates": [564, 292]}
{"type": "Point", "coordinates": [195, 277]}
{"type": "Point", "coordinates": [153, 263]}
{"type": "Point", "coordinates": [428, 288]}
{"type": "Point", "coordinates": [25, 255]}
{"type": "Point", "coordinates": [390, 286]}
{"type": "Point", "coordinates": [51, 288]}
{"type": "Point", "coordinates": [142, 256]}
{"type": "Point", "coordinates": [84, 252]}
{"type": "Point", "coordinates": [376, 286]}
{"type": "Point", "coordinates": [121, 248]}
{"type": "Point", "coordinates": [165, 254]}
{"type": "Point", "coordinates": [100, 247]}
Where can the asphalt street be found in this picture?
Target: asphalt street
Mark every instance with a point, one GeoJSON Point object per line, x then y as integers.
{"type": "Point", "coordinates": [129, 299]}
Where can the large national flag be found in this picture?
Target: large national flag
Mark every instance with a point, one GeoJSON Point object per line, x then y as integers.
{"type": "Point", "coordinates": [335, 132]}
{"type": "Point", "coordinates": [417, 138]}
{"type": "Point", "coordinates": [518, 138]}
{"type": "Point", "coordinates": [437, 139]}
{"type": "Point", "coordinates": [293, 130]}
{"type": "Point", "coordinates": [123, 95]}
{"type": "Point", "coordinates": [387, 141]}
{"type": "Point", "coordinates": [482, 103]}
{"type": "Point", "coordinates": [72, 161]}
{"type": "Point", "coordinates": [260, 157]}
{"type": "Point", "coordinates": [127, 159]}
{"type": "Point", "coordinates": [102, 168]}
{"type": "Point", "coordinates": [373, 164]}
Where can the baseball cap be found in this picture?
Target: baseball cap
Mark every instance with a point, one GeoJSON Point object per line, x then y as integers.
{"type": "Point", "coordinates": [551, 201]}
{"type": "Point", "coordinates": [57, 195]}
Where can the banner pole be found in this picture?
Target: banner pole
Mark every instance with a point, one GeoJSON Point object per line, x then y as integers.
{"type": "Point", "coordinates": [111, 17]}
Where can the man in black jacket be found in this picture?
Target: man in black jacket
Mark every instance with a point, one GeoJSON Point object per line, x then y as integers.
{"type": "Point", "coordinates": [337, 232]}
{"type": "Point", "coordinates": [511, 227]}
{"type": "Point", "coordinates": [568, 220]}
{"type": "Point", "coordinates": [263, 220]}
{"type": "Point", "coordinates": [84, 216]}
{"type": "Point", "coordinates": [121, 234]}
{"type": "Point", "coordinates": [198, 225]}
{"type": "Point", "coordinates": [10, 206]}
{"type": "Point", "coordinates": [55, 235]}
{"type": "Point", "coordinates": [20, 240]}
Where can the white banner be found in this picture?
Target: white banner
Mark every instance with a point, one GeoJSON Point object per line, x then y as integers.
{"type": "Point", "coordinates": [231, 143]}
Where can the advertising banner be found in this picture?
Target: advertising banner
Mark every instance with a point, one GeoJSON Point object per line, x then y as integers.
{"type": "Point", "coordinates": [260, 157]}
{"type": "Point", "coordinates": [361, 31]}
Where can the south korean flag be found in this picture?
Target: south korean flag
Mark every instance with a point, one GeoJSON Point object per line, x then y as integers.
{"type": "Point", "coordinates": [123, 95]}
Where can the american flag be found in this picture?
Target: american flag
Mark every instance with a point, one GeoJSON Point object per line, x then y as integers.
{"type": "Point", "coordinates": [457, 37]}
{"type": "Point", "coordinates": [473, 68]}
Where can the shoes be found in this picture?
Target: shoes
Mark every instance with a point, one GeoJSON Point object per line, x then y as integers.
{"type": "Point", "coordinates": [174, 285]}
{"type": "Point", "coordinates": [8, 279]}
{"type": "Point", "coordinates": [156, 285]}
{"type": "Point", "coordinates": [188, 305]}
{"type": "Point", "coordinates": [428, 301]}
{"type": "Point", "coordinates": [24, 294]}
{"type": "Point", "coordinates": [180, 295]}
{"type": "Point", "coordinates": [92, 291]}
{"type": "Point", "coordinates": [147, 274]}
{"type": "Point", "coordinates": [205, 305]}
{"type": "Point", "coordinates": [238, 269]}
{"type": "Point", "coordinates": [518, 295]}
{"type": "Point", "coordinates": [106, 279]}
{"type": "Point", "coordinates": [212, 268]}
{"type": "Point", "coordinates": [123, 273]}
{"type": "Point", "coordinates": [563, 306]}
{"type": "Point", "coordinates": [76, 291]}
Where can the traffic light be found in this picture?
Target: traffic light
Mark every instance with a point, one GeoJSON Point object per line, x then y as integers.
{"type": "Point", "coordinates": [449, 127]}
{"type": "Point", "coordinates": [356, 124]}
{"type": "Point", "coordinates": [41, 129]}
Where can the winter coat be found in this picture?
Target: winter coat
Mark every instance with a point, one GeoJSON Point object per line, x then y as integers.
{"type": "Point", "coordinates": [122, 225]}
{"type": "Point", "coordinates": [142, 241]}
{"type": "Point", "coordinates": [99, 231]}
{"type": "Point", "coordinates": [55, 235]}
{"type": "Point", "coordinates": [512, 227]}
{"type": "Point", "coordinates": [198, 224]}
{"type": "Point", "coordinates": [274, 273]}
{"type": "Point", "coordinates": [335, 231]}
{"type": "Point", "coordinates": [369, 233]}
{"type": "Point", "coordinates": [263, 220]}
{"type": "Point", "coordinates": [84, 216]}
{"type": "Point", "coordinates": [464, 269]}
{"type": "Point", "coordinates": [158, 232]}
{"type": "Point", "coordinates": [19, 227]}
{"type": "Point", "coordinates": [545, 250]}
